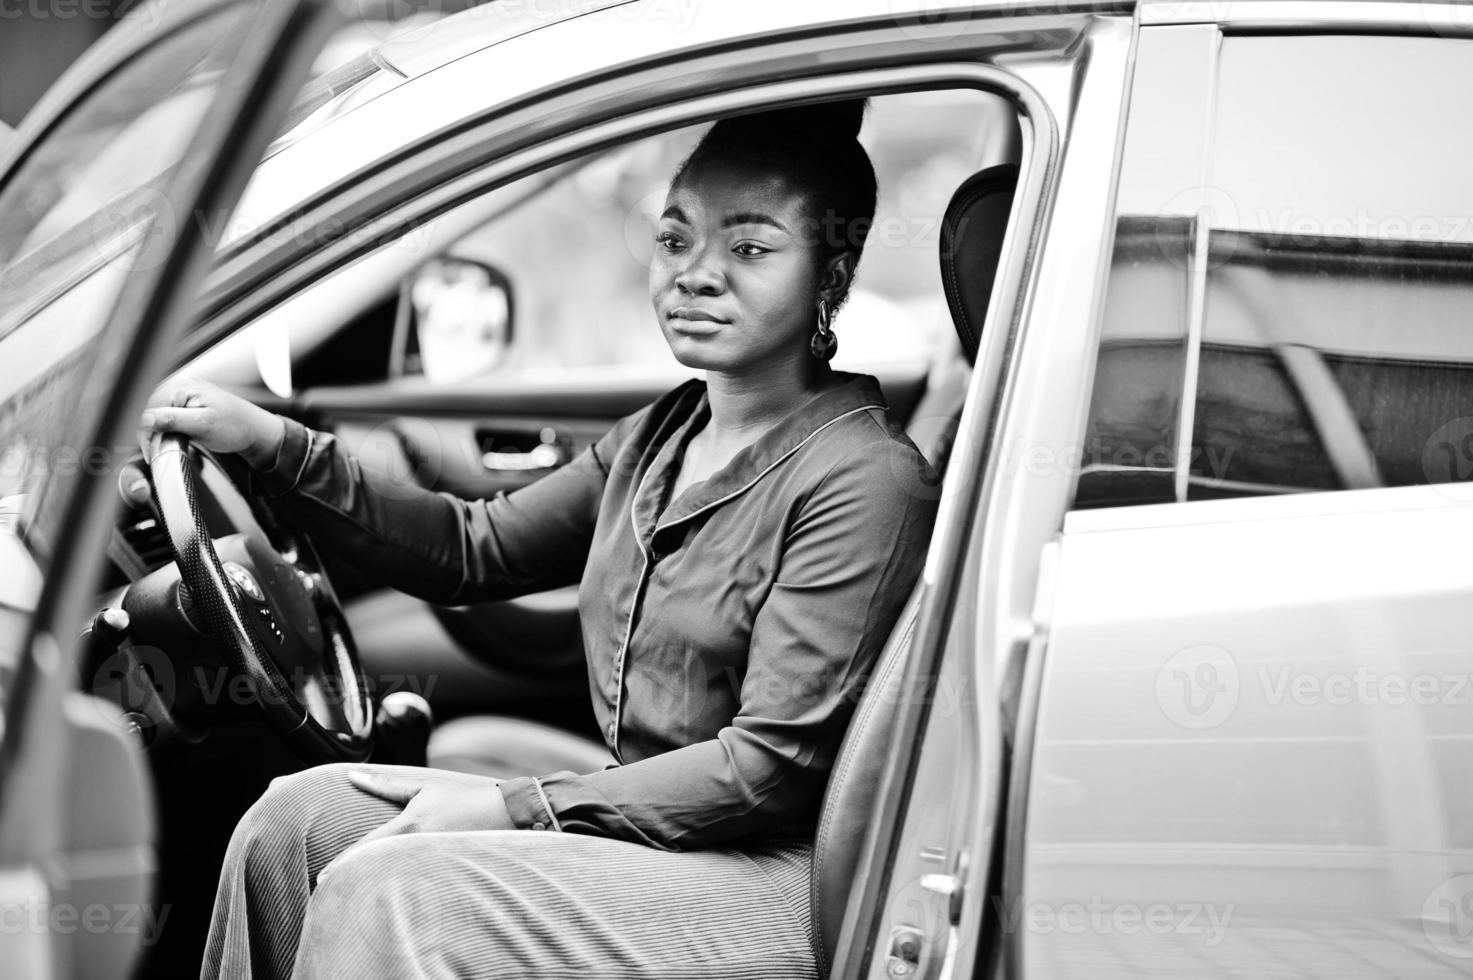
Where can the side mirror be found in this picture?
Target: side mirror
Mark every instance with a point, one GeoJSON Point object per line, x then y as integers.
{"type": "Point", "coordinates": [455, 320]}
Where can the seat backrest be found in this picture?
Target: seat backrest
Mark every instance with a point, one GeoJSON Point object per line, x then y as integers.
{"type": "Point", "coordinates": [971, 244]}
{"type": "Point", "coordinates": [854, 784]}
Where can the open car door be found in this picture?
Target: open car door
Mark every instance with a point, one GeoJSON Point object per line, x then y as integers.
{"type": "Point", "coordinates": [110, 194]}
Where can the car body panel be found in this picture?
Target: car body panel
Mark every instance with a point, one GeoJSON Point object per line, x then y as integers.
{"type": "Point", "coordinates": [1269, 756]}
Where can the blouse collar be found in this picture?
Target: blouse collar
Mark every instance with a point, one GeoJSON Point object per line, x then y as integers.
{"type": "Point", "coordinates": [858, 393]}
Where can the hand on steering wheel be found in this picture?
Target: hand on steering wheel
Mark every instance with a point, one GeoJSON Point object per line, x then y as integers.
{"type": "Point", "coordinates": [213, 419]}
{"type": "Point", "coordinates": [272, 610]}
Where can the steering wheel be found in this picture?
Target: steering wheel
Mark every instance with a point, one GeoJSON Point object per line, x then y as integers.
{"type": "Point", "coordinates": [269, 605]}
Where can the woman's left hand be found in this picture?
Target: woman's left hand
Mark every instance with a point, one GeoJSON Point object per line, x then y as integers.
{"type": "Point", "coordinates": [435, 800]}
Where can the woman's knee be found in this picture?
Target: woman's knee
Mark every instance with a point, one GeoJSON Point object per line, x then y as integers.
{"type": "Point", "coordinates": [290, 803]}
{"type": "Point", "coordinates": [301, 790]}
{"type": "Point", "coordinates": [310, 782]}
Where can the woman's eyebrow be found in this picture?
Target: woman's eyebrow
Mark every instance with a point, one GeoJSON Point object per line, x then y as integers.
{"type": "Point", "coordinates": [752, 218]}
{"type": "Point", "coordinates": [675, 214]}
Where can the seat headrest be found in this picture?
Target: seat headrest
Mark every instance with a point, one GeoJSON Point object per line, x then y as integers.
{"type": "Point", "coordinates": [972, 233]}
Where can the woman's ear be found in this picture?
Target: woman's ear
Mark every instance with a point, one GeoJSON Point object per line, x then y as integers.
{"type": "Point", "coordinates": [835, 278]}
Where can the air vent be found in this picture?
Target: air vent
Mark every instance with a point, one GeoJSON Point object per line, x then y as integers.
{"type": "Point", "coordinates": [150, 542]}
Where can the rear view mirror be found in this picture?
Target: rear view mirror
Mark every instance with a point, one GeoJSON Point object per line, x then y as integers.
{"type": "Point", "coordinates": [455, 319]}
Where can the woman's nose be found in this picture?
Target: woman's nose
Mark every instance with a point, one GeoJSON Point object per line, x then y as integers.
{"type": "Point", "coordinates": [700, 277]}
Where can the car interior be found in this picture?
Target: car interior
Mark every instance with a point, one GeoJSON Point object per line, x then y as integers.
{"type": "Point", "coordinates": [476, 373]}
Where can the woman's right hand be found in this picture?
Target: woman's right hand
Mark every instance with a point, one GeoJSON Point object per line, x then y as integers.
{"type": "Point", "coordinates": [214, 419]}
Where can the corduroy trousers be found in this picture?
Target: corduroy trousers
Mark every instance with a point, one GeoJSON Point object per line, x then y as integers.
{"type": "Point", "coordinates": [493, 903]}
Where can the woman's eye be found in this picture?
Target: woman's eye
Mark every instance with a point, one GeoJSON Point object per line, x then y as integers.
{"type": "Point", "coordinates": [668, 241]}
{"type": "Point", "coordinates": [750, 249]}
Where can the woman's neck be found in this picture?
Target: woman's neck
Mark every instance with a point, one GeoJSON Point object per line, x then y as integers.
{"type": "Point", "coordinates": [745, 406]}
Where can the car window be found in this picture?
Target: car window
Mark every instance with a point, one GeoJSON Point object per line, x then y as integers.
{"type": "Point", "coordinates": [74, 219]}
{"type": "Point", "coordinates": [1293, 311]}
{"type": "Point", "coordinates": [577, 254]}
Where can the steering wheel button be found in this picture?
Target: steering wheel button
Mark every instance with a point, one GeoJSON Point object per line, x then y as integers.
{"type": "Point", "coordinates": [243, 580]}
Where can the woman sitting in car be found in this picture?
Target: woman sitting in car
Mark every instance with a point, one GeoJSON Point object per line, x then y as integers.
{"type": "Point", "coordinates": [744, 546]}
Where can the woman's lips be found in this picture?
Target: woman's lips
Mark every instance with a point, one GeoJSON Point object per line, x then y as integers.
{"type": "Point", "coordinates": [692, 321]}
{"type": "Point", "coordinates": [694, 313]}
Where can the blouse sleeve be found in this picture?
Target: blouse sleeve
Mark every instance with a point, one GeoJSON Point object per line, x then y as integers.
{"type": "Point", "coordinates": [852, 555]}
{"type": "Point", "coordinates": [436, 546]}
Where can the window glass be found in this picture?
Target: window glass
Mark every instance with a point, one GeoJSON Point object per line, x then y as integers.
{"type": "Point", "coordinates": [74, 219]}
{"type": "Point", "coordinates": [1130, 443]}
{"type": "Point", "coordinates": [1306, 313]}
{"type": "Point", "coordinates": [1332, 363]}
{"type": "Point", "coordinates": [576, 254]}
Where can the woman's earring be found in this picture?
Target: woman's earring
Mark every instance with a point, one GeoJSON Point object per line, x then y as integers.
{"type": "Point", "coordinates": [824, 344]}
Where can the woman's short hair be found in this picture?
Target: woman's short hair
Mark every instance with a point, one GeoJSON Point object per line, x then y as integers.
{"type": "Point", "coordinates": [815, 149]}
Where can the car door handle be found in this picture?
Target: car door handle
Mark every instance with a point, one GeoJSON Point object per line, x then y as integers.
{"type": "Point", "coordinates": [543, 457]}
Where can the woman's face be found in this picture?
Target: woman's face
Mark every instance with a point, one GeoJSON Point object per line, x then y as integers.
{"type": "Point", "coordinates": [735, 279]}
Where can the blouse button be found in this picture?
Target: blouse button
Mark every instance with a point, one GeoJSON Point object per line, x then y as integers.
{"type": "Point", "coordinates": [539, 825]}
{"type": "Point", "coordinates": [612, 729]}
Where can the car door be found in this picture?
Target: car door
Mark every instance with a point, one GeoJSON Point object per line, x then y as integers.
{"type": "Point", "coordinates": [104, 192]}
{"type": "Point", "coordinates": [1251, 672]}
